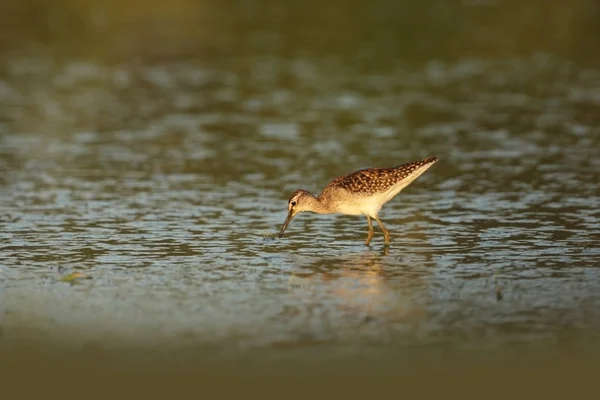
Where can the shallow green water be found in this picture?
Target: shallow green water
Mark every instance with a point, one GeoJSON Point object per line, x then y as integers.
{"type": "Point", "coordinates": [165, 184]}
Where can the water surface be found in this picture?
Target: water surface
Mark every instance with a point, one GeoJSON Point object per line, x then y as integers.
{"type": "Point", "coordinates": [165, 186]}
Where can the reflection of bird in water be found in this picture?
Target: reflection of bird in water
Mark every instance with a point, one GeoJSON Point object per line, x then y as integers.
{"type": "Point", "coordinates": [358, 285]}
{"type": "Point", "coordinates": [360, 192]}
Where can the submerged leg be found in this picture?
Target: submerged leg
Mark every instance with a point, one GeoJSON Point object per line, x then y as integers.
{"type": "Point", "coordinates": [386, 234]}
{"type": "Point", "coordinates": [371, 231]}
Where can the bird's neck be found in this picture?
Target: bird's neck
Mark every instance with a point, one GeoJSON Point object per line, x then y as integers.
{"type": "Point", "coordinates": [317, 205]}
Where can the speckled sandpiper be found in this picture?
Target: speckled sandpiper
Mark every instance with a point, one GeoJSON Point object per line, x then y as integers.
{"type": "Point", "coordinates": [360, 192]}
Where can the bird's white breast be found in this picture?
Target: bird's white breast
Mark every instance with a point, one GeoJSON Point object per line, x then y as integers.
{"type": "Point", "coordinates": [366, 206]}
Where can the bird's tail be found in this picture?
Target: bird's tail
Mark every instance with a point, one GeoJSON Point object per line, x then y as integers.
{"type": "Point", "coordinates": [407, 173]}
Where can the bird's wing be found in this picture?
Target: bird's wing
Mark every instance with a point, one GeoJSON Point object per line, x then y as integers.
{"type": "Point", "coordinates": [378, 180]}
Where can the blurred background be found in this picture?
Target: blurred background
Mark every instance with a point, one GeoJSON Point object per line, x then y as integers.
{"type": "Point", "coordinates": [377, 31]}
{"type": "Point", "coordinates": [147, 150]}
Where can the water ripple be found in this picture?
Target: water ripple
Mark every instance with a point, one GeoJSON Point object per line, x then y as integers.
{"type": "Point", "coordinates": [171, 205]}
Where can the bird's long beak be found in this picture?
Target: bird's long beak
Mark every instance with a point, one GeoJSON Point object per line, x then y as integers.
{"type": "Point", "coordinates": [287, 222]}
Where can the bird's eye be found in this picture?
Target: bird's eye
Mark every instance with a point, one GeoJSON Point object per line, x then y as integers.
{"type": "Point", "coordinates": [293, 203]}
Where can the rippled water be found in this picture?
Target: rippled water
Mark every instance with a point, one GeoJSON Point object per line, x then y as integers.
{"type": "Point", "coordinates": [165, 186]}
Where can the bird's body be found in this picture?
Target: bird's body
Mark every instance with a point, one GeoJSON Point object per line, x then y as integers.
{"type": "Point", "coordinates": [362, 192]}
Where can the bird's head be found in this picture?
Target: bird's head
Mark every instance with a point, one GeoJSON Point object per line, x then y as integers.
{"type": "Point", "coordinates": [298, 202]}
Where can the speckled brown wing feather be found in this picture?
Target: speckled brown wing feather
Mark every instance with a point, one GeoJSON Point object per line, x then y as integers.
{"type": "Point", "coordinates": [375, 180]}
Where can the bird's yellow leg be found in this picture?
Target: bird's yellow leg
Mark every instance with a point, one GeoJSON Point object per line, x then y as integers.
{"type": "Point", "coordinates": [386, 234]}
{"type": "Point", "coordinates": [371, 231]}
